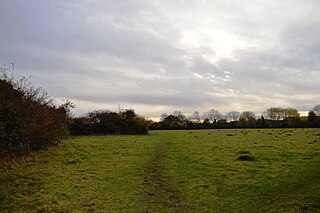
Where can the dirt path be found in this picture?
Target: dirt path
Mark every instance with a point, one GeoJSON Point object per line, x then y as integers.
{"type": "Point", "coordinates": [161, 195]}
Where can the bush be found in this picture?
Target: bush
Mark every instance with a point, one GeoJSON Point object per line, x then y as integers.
{"type": "Point", "coordinates": [106, 122]}
{"type": "Point", "coordinates": [28, 118]}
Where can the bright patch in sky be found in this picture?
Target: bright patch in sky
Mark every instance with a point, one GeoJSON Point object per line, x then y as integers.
{"type": "Point", "coordinates": [160, 56]}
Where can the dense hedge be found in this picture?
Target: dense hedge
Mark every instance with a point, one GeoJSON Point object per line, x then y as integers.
{"type": "Point", "coordinates": [107, 122]}
{"type": "Point", "coordinates": [28, 118]}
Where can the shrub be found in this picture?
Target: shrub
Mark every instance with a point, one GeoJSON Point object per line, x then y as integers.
{"type": "Point", "coordinates": [28, 118]}
{"type": "Point", "coordinates": [107, 122]}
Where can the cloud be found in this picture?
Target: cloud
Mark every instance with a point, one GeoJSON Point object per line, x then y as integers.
{"type": "Point", "coordinates": [163, 55]}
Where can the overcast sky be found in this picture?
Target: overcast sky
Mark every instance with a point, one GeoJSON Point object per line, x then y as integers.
{"type": "Point", "coordinates": [157, 56]}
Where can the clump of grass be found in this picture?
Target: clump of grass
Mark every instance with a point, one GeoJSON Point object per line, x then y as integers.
{"type": "Point", "coordinates": [201, 186]}
{"type": "Point", "coordinates": [246, 158]}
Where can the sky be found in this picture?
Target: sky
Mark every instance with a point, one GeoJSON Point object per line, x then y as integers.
{"type": "Point", "coordinates": [158, 56]}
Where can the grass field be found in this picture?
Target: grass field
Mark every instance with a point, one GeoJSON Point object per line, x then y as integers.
{"type": "Point", "coordinates": [252, 170]}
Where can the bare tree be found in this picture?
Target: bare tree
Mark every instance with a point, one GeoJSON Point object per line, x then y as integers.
{"type": "Point", "coordinates": [179, 115]}
{"type": "Point", "coordinates": [163, 116]}
{"type": "Point", "coordinates": [277, 113]}
{"type": "Point", "coordinates": [213, 115]}
{"type": "Point", "coordinates": [292, 113]}
{"type": "Point", "coordinates": [247, 117]}
{"type": "Point", "coordinates": [196, 116]}
{"type": "Point", "coordinates": [316, 109]}
{"type": "Point", "coordinates": [233, 115]}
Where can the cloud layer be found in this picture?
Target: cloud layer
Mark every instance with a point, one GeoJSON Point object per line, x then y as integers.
{"type": "Point", "coordinates": [160, 56]}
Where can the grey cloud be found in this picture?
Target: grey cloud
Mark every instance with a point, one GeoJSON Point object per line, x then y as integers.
{"type": "Point", "coordinates": [201, 65]}
{"type": "Point", "coordinates": [139, 52]}
{"type": "Point", "coordinates": [148, 99]}
{"type": "Point", "coordinates": [301, 44]}
{"type": "Point", "coordinates": [267, 73]}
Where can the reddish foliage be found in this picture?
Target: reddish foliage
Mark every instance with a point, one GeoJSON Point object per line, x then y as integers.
{"type": "Point", "coordinates": [28, 120]}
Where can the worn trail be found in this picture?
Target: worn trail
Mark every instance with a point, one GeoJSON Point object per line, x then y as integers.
{"type": "Point", "coordinates": [161, 195]}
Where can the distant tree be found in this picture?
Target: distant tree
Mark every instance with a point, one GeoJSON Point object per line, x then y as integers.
{"type": "Point", "coordinates": [206, 121]}
{"type": "Point", "coordinates": [316, 109]}
{"type": "Point", "coordinates": [282, 116]}
{"type": "Point", "coordinates": [233, 115]}
{"type": "Point", "coordinates": [174, 122]}
{"type": "Point", "coordinates": [292, 113]}
{"type": "Point", "coordinates": [179, 115]}
{"type": "Point", "coordinates": [247, 118]}
{"type": "Point", "coordinates": [196, 116]}
{"type": "Point", "coordinates": [107, 122]}
{"type": "Point", "coordinates": [80, 126]}
{"type": "Point", "coordinates": [213, 115]}
{"type": "Point", "coordinates": [275, 113]}
{"type": "Point", "coordinates": [133, 124]}
{"type": "Point", "coordinates": [313, 120]}
{"type": "Point", "coordinates": [263, 122]}
{"type": "Point", "coordinates": [163, 116]}
{"type": "Point", "coordinates": [312, 116]}
{"type": "Point", "coordinates": [292, 116]}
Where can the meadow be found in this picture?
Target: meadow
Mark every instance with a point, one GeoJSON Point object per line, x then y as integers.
{"type": "Point", "coordinates": [234, 170]}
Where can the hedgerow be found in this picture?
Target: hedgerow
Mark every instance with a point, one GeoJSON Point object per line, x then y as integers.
{"type": "Point", "coordinates": [102, 122]}
{"type": "Point", "coordinates": [29, 119]}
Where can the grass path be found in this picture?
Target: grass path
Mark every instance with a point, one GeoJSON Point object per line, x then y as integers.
{"type": "Point", "coordinates": [162, 196]}
{"type": "Point", "coordinates": [171, 171]}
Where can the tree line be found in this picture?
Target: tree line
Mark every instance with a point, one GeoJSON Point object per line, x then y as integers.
{"type": "Point", "coordinates": [274, 117]}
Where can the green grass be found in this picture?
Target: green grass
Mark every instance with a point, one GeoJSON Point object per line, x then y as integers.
{"type": "Point", "coordinates": [171, 171]}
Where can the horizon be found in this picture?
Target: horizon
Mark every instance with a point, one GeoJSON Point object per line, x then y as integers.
{"type": "Point", "coordinates": [302, 113]}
